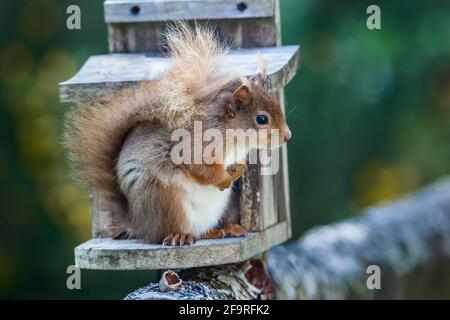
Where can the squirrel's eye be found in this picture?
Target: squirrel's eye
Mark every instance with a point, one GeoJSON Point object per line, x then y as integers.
{"type": "Point", "coordinates": [261, 119]}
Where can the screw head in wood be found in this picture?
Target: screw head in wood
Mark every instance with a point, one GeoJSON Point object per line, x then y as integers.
{"type": "Point", "coordinates": [135, 10]}
{"type": "Point", "coordinates": [242, 6]}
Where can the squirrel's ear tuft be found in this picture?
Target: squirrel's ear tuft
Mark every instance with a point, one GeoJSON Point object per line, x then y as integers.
{"type": "Point", "coordinates": [259, 80]}
{"type": "Point", "coordinates": [242, 94]}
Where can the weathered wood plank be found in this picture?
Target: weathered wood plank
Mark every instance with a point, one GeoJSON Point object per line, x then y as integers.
{"type": "Point", "coordinates": [119, 11]}
{"type": "Point", "coordinates": [269, 201]}
{"type": "Point", "coordinates": [108, 254]}
{"type": "Point", "coordinates": [149, 36]}
{"type": "Point", "coordinates": [100, 215]}
{"type": "Point", "coordinates": [250, 32]}
{"type": "Point", "coordinates": [281, 180]}
{"type": "Point", "coordinates": [103, 74]}
{"type": "Point", "coordinates": [250, 199]}
{"type": "Point", "coordinates": [258, 198]}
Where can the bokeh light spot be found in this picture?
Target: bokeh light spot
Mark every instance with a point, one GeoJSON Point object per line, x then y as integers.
{"type": "Point", "coordinates": [16, 64]}
{"type": "Point", "coordinates": [39, 20]}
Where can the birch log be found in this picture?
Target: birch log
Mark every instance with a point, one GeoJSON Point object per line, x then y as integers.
{"type": "Point", "coordinates": [409, 240]}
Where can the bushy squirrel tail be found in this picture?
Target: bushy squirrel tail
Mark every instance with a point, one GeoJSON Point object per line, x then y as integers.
{"type": "Point", "coordinates": [95, 130]}
{"type": "Point", "coordinates": [198, 72]}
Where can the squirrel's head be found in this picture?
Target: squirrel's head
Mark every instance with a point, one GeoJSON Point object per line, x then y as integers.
{"type": "Point", "coordinates": [252, 107]}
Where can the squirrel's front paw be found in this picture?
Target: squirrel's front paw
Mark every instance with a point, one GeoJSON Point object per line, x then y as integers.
{"type": "Point", "coordinates": [179, 239]}
{"type": "Point", "coordinates": [225, 183]}
{"type": "Point", "coordinates": [237, 171]}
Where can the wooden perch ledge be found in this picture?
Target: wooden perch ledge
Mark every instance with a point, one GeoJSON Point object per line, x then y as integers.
{"type": "Point", "coordinates": [103, 74]}
{"type": "Point", "coordinates": [408, 239]}
{"type": "Point", "coordinates": [109, 254]}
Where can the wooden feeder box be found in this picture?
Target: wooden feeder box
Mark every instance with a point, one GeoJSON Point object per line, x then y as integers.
{"type": "Point", "coordinates": [135, 31]}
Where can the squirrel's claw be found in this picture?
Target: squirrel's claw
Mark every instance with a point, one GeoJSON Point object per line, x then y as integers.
{"type": "Point", "coordinates": [120, 233]}
{"type": "Point", "coordinates": [178, 239]}
{"type": "Point", "coordinates": [214, 234]}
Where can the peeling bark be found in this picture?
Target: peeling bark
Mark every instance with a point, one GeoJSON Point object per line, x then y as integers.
{"type": "Point", "coordinates": [408, 239]}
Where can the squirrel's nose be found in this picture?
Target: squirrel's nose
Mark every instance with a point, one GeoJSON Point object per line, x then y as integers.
{"type": "Point", "coordinates": [286, 134]}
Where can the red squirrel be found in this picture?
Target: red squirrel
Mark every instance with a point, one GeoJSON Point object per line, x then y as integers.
{"type": "Point", "coordinates": [122, 144]}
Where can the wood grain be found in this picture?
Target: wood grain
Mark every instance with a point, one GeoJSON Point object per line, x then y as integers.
{"type": "Point", "coordinates": [103, 74]}
{"type": "Point", "coordinates": [120, 11]}
{"type": "Point", "coordinates": [149, 36]}
{"type": "Point", "coordinates": [109, 254]}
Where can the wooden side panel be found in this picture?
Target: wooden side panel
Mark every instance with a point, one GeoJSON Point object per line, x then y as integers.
{"type": "Point", "coordinates": [101, 215]}
{"type": "Point", "coordinates": [250, 199]}
{"type": "Point", "coordinates": [281, 180]}
{"type": "Point", "coordinates": [269, 200]}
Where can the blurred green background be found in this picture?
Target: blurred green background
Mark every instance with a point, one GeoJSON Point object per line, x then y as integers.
{"type": "Point", "coordinates": [369, 111]}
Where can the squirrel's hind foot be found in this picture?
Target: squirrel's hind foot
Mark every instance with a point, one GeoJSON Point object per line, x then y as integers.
{"type": "Point", "coordinates": [230, 230]}
{"type": "Point", "coordinates": [178, 239]}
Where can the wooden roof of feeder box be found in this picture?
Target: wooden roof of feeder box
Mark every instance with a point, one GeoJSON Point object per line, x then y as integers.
{"type": "Point", "coordinates": [103, 74]}
{"type": "Point", "coordinates": [134, 29]}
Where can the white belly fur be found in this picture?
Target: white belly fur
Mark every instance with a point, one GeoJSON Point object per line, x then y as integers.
{"type": "Point", "coordinates": [204, 206]}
